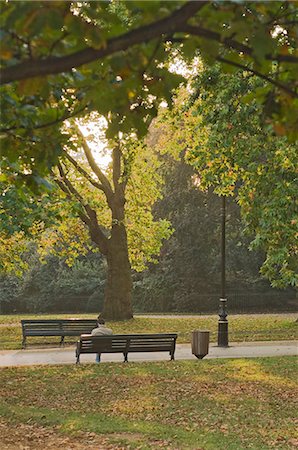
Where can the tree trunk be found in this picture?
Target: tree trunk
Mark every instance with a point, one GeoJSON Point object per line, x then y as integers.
{"type": "Point", "coordinates": [118, 290]}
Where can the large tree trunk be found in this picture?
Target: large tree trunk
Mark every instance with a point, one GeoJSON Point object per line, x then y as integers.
{"type": "Point", "coordinates": [118, 290]}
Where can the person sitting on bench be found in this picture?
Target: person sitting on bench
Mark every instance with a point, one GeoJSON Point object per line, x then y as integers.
{"type": "Point", "coordinates": [100, 330]}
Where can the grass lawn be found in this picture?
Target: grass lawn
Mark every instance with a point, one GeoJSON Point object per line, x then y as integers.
{"type": "Point", "coordinates": [241, 327]}
{"type": "Point", "coordinates": [212, 404]}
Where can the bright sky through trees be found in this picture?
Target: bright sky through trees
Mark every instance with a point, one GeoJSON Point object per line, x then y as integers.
{"type": "Point", "coordinates": [93, 131]}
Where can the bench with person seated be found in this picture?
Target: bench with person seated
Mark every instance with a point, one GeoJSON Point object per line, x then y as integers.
{"type": "Point", "coordinates": [126, 343]}
{"type": "Point", "coordinates": [56, 327]}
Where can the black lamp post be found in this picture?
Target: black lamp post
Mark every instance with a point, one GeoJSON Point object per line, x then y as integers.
{"type": "Point", "coordinates": [222, 337]}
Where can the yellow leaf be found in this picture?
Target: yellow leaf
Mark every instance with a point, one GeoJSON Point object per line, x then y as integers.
{"type": "Point", "coordinates": [31, 86]}
{"type": "Point", "coordinates": [5, 53]}
{"type": "Point", "coordinates": [279, 129]}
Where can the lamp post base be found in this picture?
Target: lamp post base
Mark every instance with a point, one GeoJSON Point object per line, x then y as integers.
{"type": "Point", "coordinates": [223, 336]}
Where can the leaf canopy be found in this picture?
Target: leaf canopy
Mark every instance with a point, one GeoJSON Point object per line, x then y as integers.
{"type": "Point", "coordinates": [63, 59]}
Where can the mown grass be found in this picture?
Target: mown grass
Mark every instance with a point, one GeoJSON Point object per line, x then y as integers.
{"type": "Point", "coordinates": [212, 404]}
{"type": "Point", "coordinates": [241, 328]}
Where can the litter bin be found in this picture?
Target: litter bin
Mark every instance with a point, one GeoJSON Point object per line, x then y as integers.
{"type": "Point", "coordinates": [200, 343]}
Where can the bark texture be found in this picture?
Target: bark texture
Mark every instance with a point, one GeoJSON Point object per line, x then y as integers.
{"type": "Point", "coordinates": [118, 290]}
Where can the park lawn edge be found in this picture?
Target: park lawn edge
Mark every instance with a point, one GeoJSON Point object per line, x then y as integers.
{"type": "Point", "coordinates": [249, 328]}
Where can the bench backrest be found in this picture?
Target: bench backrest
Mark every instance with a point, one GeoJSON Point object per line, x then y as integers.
{"type": "Point", "coordinates": [127, 343]}
{"type": "Point", "coordinates": [57, 327]}
{"type": "Point", "coordinates": [76, 327]}
{"type": "Point", "coordinates": [36, 327]}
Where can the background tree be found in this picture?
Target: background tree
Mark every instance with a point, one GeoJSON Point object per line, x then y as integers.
{"type": "Point", "coordinates": [114, 205]}
{"type": "Point", "coordinates": [63, 272]}
{"type": "Point", "coordinates": [234, 151]}
{"type": "Point", "coordinates": [51, 285]}
{"type": "Point", "coordinates": [187, 277]}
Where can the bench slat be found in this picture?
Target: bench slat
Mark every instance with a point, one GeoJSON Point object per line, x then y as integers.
{"type": "Point", "coordinates": [56, 327]}
{"type": "Point", "coordinates": [126, 344]}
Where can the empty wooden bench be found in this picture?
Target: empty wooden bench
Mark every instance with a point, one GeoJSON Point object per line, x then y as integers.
{"type": "Point", "coordinates": [56, 327]}
{"type": "Point", "coordinates": [126, 343]}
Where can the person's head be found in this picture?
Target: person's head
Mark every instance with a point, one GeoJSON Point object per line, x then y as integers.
{"type": "Point", "coordinates": [100, 321]}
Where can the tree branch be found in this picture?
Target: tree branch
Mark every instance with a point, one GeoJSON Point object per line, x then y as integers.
{"type": "Point", "coordinates": [48, 124]}
{"type": "Point", "coordinates": [64, 188]}
{"type": "Point", "coordinates": [82, 171]}
{"type": "Point", "coordinates": [176, 22]}
{"type": "Point", "coordinates": [107, 188]}
{"type": "Point", "coordinates": [96, 234]}
{"type": "Point", "coordinates": [231, 43]}
{"type": "Point", "coordinates": [260, 75]}
{"type": "Point", "coordinates": [69, 186]}
{"type": "Point", "coordinates": [54, 65]}
{"type": "Point", "coordinates": [116, 156]}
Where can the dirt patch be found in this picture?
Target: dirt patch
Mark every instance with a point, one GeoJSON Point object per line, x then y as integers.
{"type": "Point", "coordinates": [33, 437]}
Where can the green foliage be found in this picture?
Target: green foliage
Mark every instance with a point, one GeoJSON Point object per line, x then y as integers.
{"type": "Point", "coordinates": [54, 286]}
{"type": "Point", "coordinates": [51, 68]}
{"type": "Point", "coordinates": [19, 208]}
{"type": "Point", "coordinates": [187, 277]}
{"type": "Point", "coordinates": [9, 291]}
{"type": "Point", "coordinates": [34, 109]}
{"type": "Point", "coordinates": [233, 150]}
{"type": "Point", "coordinates": [54, 222]}
{"type": "Point", "coordinates": [145, 234]}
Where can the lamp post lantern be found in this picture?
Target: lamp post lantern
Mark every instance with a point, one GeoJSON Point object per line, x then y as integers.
{"type": "Point", "coordinates": [222, 337]}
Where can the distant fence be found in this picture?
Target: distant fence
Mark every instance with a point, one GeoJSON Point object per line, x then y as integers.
{"type": "Point", "coordinates": [255, 302]}
{"type": "Point", "coordinates": [248, 302]}
{"type": "Point", "coordinates": [237, 302]}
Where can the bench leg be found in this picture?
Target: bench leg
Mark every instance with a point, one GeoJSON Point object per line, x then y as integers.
{"type": "Point", "coordinates": [24, 342]}
{"type": "Point", "coordinates": [62, 341]}
{"type": "Point", "coordinates": [125, 357]}
{"type": "Point", "coordinates": [78, 357]}
{"type": "Point", "coordinates": [172, 357]}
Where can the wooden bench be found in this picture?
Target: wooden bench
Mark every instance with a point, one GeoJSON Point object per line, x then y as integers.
{"type": "Point", "coordinates": [126, 343]}
{"type": "Point", "coordinates": [56, 327]}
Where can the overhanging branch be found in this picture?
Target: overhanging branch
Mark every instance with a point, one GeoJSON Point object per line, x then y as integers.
{"type": "Point", "coordinates": [231, 43]}
{"type": "Point", "coordinates": [176, 22]}
{"type": "Point", "coordinates": [47, 124]}
{"type": "Point", "coordinates": [260, 75]}
{"type": "Point", "coordinates": [54, 65]}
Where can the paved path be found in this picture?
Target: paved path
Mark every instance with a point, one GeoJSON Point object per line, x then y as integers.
{"type": "Point", "coordinates": [293, 315]}
{"type": "Point", "coordinates": [183, 351]}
